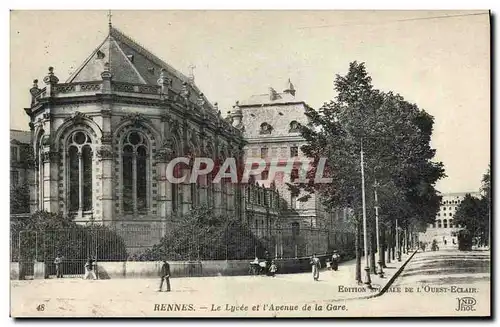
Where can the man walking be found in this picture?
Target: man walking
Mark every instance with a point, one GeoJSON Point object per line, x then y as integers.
{"type": "Point", "coordinates": [89, 269]}
{"type": "Point", "coordinates": [335, 260]}
{"type": "Point", "coordinates": [165, 275]}
{"type": "Point", "coordinates": [58, 263]}
{"type": "Point", "coordinates": [316, 264]}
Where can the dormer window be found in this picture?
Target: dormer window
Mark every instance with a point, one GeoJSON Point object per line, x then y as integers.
{"type": "Point", "coordinates": [265, 128]}
{"type": "Point", "coordinates": [100, 54]}
{"type": "Point", "coordinates": [131, 58]}
{"type": "Point", "coordinates": [151, 70]}
{"type": "Point", "coordinates": [294, 127]}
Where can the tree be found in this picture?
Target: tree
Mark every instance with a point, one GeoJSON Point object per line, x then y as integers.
{"type": "Point", "coordinates": [395, 137]}
{"type": "Point", "coordinates": [19, 198]}
{"type": "Point", "coordinates": [201, 234]}
{"type": "Point", "coordinates": [473, 215]}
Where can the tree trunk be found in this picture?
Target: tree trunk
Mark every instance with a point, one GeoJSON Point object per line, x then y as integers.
{"type": "Point", "coordinates": [373, 248]}
{"type": "Point", "coordinates": [388, 244]}
{"type": "Point", "coordinates": [393, 242]}
{"type": "Point", "coordinates": [381, 255]}
{"type": "Point", "coordinates": [358, 251]}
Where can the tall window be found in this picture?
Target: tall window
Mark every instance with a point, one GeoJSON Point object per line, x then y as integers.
{"type": "Point", "coordinates": [445, 223]}
{"type": "Point", "coordinates": [293, 201]}
{"type": "Point", "coordinates": [294, 151]}
{"type": "Point", "coordinates": [295, 230]}
{"type": "Point", "coordinates": [439, 224]}
{"type": "Point", "coordinates": [14, 177]}
{"type": "Point", "coordinates": [80, 172]}
{"type": "Point", "coordinates": [13, 152]}
{"type": "Point", "coordinates": [134, 172]}
{"type": "Point", "coordinates": [264, 152]}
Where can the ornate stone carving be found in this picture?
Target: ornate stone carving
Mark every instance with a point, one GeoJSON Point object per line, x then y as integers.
{"type": "Point", "coordinates": [64, 88]}
{"type": "Point", "coordinates": [31, 125]}
{"type": "Point", "coordinates": [90, 87]}
{"type": "Point", "coordinates": [104, 153]}
{"type": "Point", "coordinates": [51, 78]}
{"type": "Point", "coordinates": [46, 115]}
{"type": "Point", "coordinates": [136, 118]}
{"type": "Point", "coordinates": [186, 92]}
{"type": "Point", "coordinates": [77, 117]}
{"type": "Point", "coordinates": [46, 140]}
{"type": "Point", "coordinates": [50, 156]}
{"type": "Point", "coordinates": [106, 138]}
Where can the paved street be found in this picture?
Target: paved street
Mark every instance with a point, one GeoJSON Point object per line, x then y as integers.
{"type": "Point", "coordinates": [138, 297]}
{"type": "Point", "coordinates": [108, 297]}
{"type": "Point", "coordinates": [437, 279]}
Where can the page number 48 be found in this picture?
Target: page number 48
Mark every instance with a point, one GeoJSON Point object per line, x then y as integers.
{"type": "Point", "coordinates": [40, 307]}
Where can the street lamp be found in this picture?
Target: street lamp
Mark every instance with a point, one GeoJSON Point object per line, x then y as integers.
{"type": "Point", "coordinates": [379, 249]}
{"type": "Point", "coordinates": [365, 234]}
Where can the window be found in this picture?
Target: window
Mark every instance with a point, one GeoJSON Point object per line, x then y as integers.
{"type": "Point", "coordinates": [293, 201]}
{"type": "Point", "coordinates": [439, 224]}
{"type": "Point", "coordinates": [295, 229]}
{"type": "Point", "coordinates": [451, 223]}
{"type": "Point", "coordinates": [294, 151]}
{"type": "Point", "coordinates": [439, 214]}
{"type": "Point", "coordinates": [265, 128]}
{"type": "Point", "coordinates": [264, 175]}
{"type": "Point", "coordinates": [14, 177]}
{"type": "Point", "coordinates": [13, 152]}
{"type": "Point", "coordinates": [294, 127]}
{"type": "Point", "coordinates": [444, 208]}
{"type": "Point", "coordinates": [80, 171]}
{"type": "Point", "coordinates": [134, 172]}
{"type": "Point", "coordinates": [450, 214]}
{"type": "Point", "coordinates": [445, 223]}
{"type": "Point", "coordinates": [264, 152]}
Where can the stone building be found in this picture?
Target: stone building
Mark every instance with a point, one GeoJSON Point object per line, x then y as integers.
{"type": "Point", "coordinates": [19, 150]}
{"type": "Point", "coordinates": [103, 138]}
{"type": "Point", "coordinates": [269, 122]}
{"type": "Point", "coordinates": [102, 141]}
{"type": "Point", "coordinates": [444, 228]}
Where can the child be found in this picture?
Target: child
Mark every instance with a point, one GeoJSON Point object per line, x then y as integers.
{"type": "Point", "coordinates": [58, 262]}
{"type": "Point", "coordinates": [273, 269]}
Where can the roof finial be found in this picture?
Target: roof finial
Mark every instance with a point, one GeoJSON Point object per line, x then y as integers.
{"type": "Point", "coordinates": [109, 19]}
{"type": "Point", "coordinates": [191, 73]}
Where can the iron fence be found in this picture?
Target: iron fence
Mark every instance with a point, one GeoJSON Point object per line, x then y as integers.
{"type": "Point", "coordinates": [131, 243]}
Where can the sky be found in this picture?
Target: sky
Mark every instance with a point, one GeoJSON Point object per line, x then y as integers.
{"type": "Point", "coordinates": [442, 64]}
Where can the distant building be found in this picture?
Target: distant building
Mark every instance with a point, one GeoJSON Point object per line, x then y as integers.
{"type": "Point", "coordinates": [19, 149]}
{"type": "Point", "coordinates": [444, 228]}
{"type": "Point", "coordinates": [270, 126]}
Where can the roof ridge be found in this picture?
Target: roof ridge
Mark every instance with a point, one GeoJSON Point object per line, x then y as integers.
{"type": "Point", "coordinates": [127, 60]}
{"type": "Point", "coordinates": [148, 54]}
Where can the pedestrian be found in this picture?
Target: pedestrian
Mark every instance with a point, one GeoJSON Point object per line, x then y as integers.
{"type": "Point", "coordinates": [89, 269]}
{"type": "Point", "coordinates": [273, 269]}
{"type": "Point", "coordinates": [316, 264]}
{"type": "Point", "coordinates": [58, 262]}
{"type": "Point", "coordinates": [268, 262]}
{"type": "Point", "coordinates": [335, 260]}
{"type": "Point", "coordinates": [165, 275]}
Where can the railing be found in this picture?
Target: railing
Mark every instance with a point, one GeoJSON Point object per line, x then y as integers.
{"type": "Point", "coordinates": [138, 244]}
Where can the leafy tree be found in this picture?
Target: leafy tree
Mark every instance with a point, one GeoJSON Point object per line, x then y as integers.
{"type": "Point", "coordinates": [395, 137]}
{"type": "Point", "coordinates": [473, 215]}
{"type": "Point", "coordinates": [19, 198]}
{"type": "Point", "coordinates": [201, 234]}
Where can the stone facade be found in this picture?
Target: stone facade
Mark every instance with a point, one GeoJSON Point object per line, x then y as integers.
{"type": "Point", "coordinates": [102, 141]}
{"type": "Point", "coordinates": [444, 227]}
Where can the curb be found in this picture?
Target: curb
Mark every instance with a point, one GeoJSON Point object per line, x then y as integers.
{"type": "Point", "coordinates": [393, 278]}
{"type": "Point", "coordinates": [385, 288]}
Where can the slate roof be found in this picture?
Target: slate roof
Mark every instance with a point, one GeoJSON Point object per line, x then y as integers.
{"type": "Point", "coordinates": [20, 136]}
{"type": "Point", "coordinates": [129, 62]}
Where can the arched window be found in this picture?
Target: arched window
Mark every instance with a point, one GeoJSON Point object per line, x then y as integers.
{"type": "Point", "coordinates": [135, 152]}
{"type": "Point", "coordinates": [445, 223]}
{"type": "Point", "coordinates": [79, 167]}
